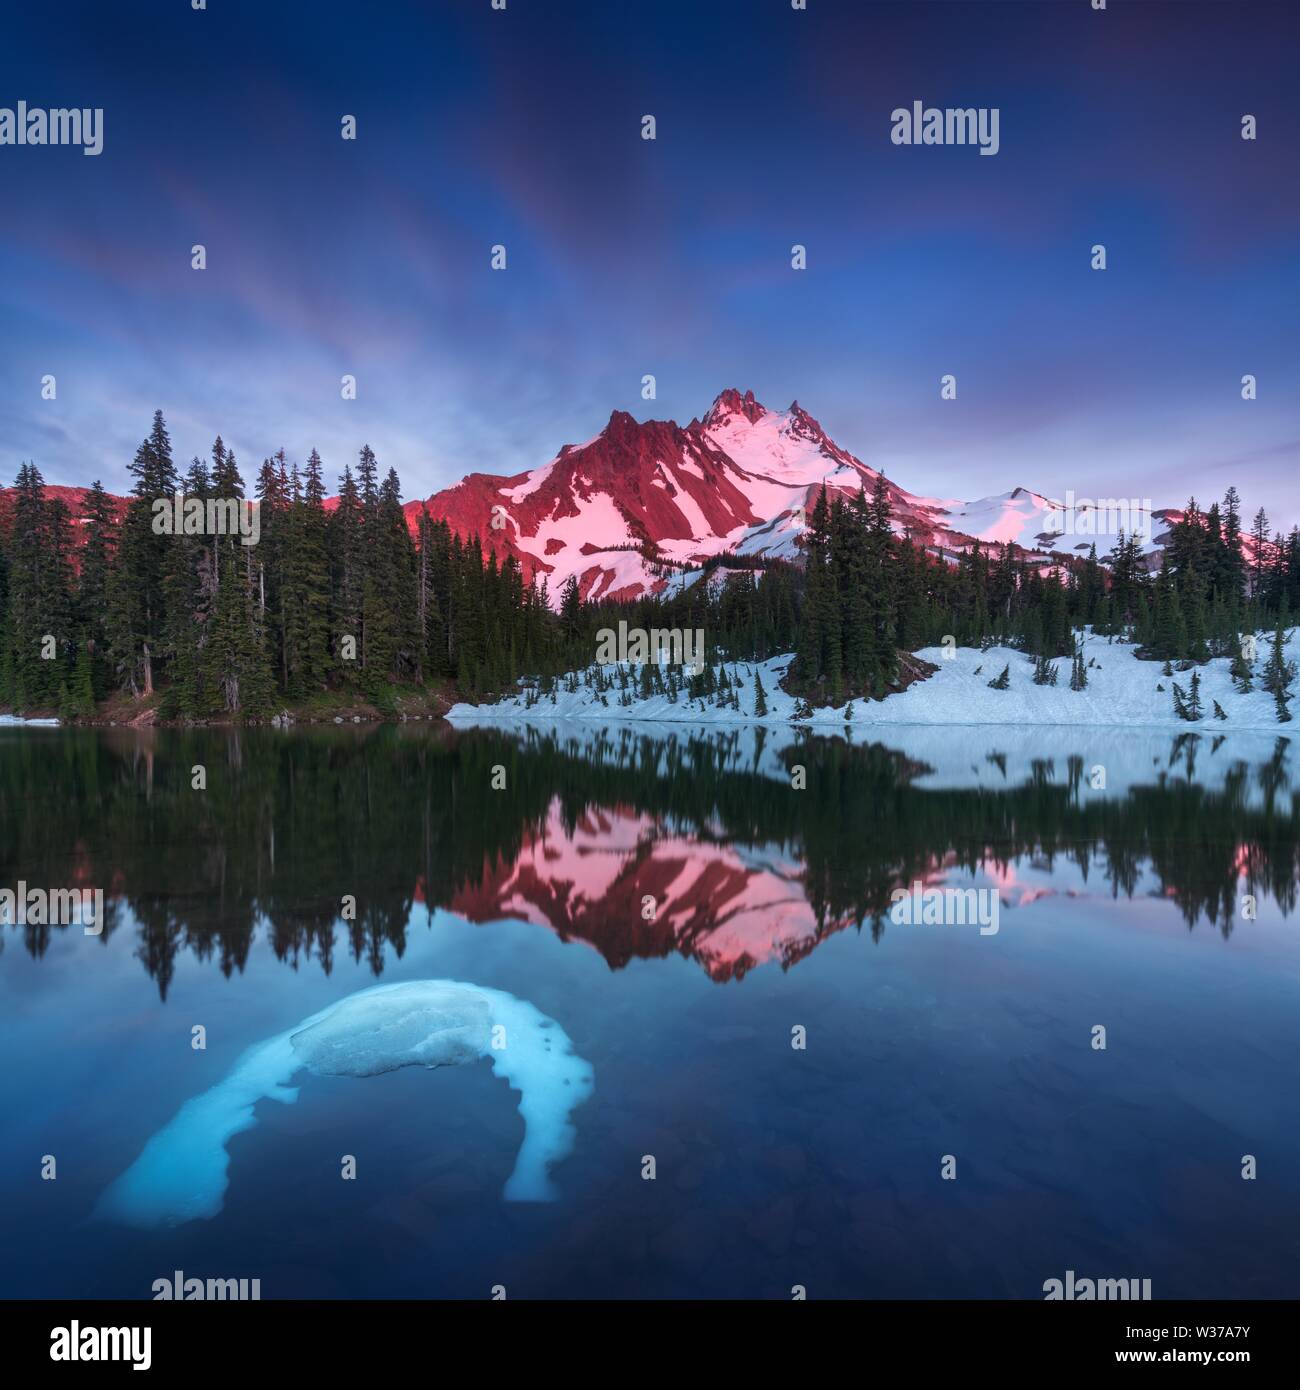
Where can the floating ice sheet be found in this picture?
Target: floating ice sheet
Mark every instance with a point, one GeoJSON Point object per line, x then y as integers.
{"type": "Point", "coordinates": [182, 1173]}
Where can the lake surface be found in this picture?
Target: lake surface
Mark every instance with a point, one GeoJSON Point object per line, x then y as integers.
{"type": "Point", "coordinates": [1126, 906]}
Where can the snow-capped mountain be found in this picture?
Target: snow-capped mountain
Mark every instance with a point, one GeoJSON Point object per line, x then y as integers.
{"type": "Point", "coordinates": [643, 506]}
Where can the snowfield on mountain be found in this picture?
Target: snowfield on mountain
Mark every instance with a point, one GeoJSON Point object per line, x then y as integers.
{"type": "Point", "coordinates": [642, 506]}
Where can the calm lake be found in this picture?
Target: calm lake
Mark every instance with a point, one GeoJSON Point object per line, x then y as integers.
{"type": "Point", "coordinates": [708, 914]}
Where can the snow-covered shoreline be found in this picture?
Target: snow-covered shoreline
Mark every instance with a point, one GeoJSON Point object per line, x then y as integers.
{"type": "Point", "coordinates": [1122, 692]}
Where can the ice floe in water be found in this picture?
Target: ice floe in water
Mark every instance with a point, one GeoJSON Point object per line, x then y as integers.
{"type": "Point", "coordinates": [182, 1173]}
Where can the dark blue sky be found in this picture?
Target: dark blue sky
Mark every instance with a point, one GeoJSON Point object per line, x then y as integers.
{"type": "Point", "coordinates": [673, 257]}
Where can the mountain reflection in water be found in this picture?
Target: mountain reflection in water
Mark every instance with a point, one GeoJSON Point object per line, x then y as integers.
{"type": "Point", "coordinates": [639, 843]}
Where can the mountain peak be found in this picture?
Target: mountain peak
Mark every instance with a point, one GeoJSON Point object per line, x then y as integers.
{"type": "Point", "coordinates": [730, 403]}
{"type": "Point", "coordinates": [801, 418]}
{"type": "Point", "coordinates": [623, 430]}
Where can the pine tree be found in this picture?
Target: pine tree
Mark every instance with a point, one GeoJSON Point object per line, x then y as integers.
{"type": "Point", "coordinates": [307, 584]}
{"type": "Point", "coordinates": [760, 696]}
{"type": "Point", "coordinates": [1240, 671]}
{"type": "Point", "coordinates": [347, 546]}
{"type": "Point", "coordinates": [1230, 579]}
{"type": "Point", "coordinates": [83, 685]}
{"type": "Point", "coordinates": [570, 610]}
{"type": "Point", "coordinates": [189, 594]}
{"type": "Point", "coordinates": [236, 656]}
{"type": "Point", "coordinates": [1169, 638]}
{"type": "Point", "coordinates": [39, 622]}
{"type": "Point", "coordinates": [1279, 673]}
{"type": "Point", "coordinates": [389, 588]}
{"type": "Point", "coordinates": [1127, 571]}
{"type": "Point", "coordinates": [98, 556]}
{"type": "Point", "coordinates": [270, 561]}
{"type": "Point", "coordinates": [137, 610]}
{"type": "Point", "coordinates": [1180, 702]}
{"type": "Point", "coordinates": [1078, 671]}
{"type": "Point", "coordinates": [819, 597]}
{"type": "Point", "coordinates": [1193, 608]}
{"type": "Point", "coordinates": [1261, 545]}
